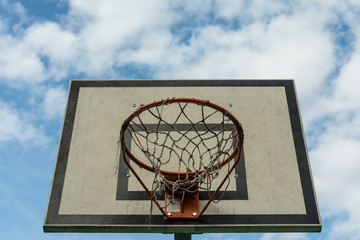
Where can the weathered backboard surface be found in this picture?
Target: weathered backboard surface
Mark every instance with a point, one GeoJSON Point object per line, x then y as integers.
{"type": "Point", "coordinates": [271, 189]}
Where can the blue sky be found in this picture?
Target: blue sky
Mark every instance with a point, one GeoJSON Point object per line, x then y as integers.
{"type": "Point", "coordinates": [44, 44]}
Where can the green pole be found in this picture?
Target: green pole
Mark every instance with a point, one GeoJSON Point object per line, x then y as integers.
{"type": "Point", "coordinates": [182, 236]}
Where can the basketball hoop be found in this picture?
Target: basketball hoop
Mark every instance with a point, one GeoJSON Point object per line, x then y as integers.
{"type": "Point", "coordinates": [185, 142]}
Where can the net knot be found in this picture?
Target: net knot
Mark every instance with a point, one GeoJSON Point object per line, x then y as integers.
{"type": "Point", "coordinates": [159, 188]}
{"type": "Point", "coordinates": [227, 113]}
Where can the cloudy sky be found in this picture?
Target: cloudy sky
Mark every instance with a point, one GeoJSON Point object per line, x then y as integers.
{"type": "Point", "coordinates": [44, 44]}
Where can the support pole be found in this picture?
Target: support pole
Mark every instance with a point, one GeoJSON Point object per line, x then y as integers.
{"type": "Point", "coordinates": [182, 236]}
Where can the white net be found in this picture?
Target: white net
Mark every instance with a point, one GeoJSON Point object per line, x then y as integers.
{"type": "Point", "coordinates": [185, 144]}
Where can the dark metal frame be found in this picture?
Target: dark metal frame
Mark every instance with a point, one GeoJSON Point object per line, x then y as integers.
{"type": "Point", "coordinates": [308, 222]}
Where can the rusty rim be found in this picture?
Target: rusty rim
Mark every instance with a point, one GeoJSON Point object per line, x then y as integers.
{"type": "Point", "coordinates": [168, 101]}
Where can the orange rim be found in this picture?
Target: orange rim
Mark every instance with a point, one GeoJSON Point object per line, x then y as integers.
{"type": "Point", "coordinates": [240, 136]}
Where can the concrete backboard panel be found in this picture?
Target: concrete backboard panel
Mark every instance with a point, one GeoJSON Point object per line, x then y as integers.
{"type": "Point", "coordinates": [271, 189]}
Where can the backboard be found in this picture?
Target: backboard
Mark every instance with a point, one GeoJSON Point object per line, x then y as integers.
{"type": "Point", "coordinates": [271, 188]}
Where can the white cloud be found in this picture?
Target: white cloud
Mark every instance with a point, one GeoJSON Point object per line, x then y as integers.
{"type": "Point", "coordinates": [336, 155]}
{"type": "Point", "coordinates": [345, 230]}
{"type": "Point", "coordinates": [57, 47]}
{"type": "Point", "coordinates": [17, 126]}
{"type": "Point", "coordinates": [191, 8]}
{"type": "Point", "coordinates": [3, 26]}
{"type": "Point", "coordinates": [118, 33]}
{"type": "Point", "coordinates": [348, 84]}
{"type": "Point", "coordinates": [13, 8]}
{"type": "Point", "coordinates": [230, 8]}
{"type": "Point", "coordinates": [44, 51]}
{"type": "Point", "coordinates": [287, 47]}
{"type": "Point", "coordinates": [54, 102]}
{"type": "Point", "coordinates": [335, 120]}
{"type": "Point", "coordinates": [284, 236]}
{"type": "Point", "coordinates": [114, 26]}
{"type": "Point", "coordinates": [336, 172]}
{"type": "Point", "coordinates": [19, 64]}
{"type": "Point", "coordinates": [256, 10]}
{"type": "Point", "coordinates": [221, 236]}
{"type": "Point", "coordinates": [336, 164]}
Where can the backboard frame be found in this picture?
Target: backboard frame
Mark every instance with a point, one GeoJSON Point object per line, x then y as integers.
{"type": "Point", "coordinates": [309, 222]}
